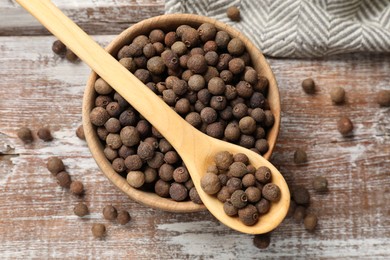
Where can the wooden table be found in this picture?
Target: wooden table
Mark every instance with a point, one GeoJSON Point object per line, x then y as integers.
{"type": "Point", "coordinates": [37, 88]}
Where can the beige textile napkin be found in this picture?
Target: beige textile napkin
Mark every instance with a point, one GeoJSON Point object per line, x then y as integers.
{"type": "Point", "coordinates": [302, 28]}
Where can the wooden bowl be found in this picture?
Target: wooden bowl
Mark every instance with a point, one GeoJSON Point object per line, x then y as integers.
{"type": "Point", "coordinates": [170, 22]}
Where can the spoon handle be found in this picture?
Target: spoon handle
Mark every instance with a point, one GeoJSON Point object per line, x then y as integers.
{"type": "Point", "coordinates": [176, 130]}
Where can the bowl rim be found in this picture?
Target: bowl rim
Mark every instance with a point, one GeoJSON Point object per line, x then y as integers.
{"type": "Point", "coordinates": [165, 22]}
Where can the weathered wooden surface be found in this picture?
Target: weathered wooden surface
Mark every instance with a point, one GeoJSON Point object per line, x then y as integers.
{"type": "Point", "coordinates": [36, 220]}
{"type": "Point", "coordinates": [94, 16]}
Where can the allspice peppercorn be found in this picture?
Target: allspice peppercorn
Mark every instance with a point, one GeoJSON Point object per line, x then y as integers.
{"type": "Point", "coordinates": [262, 241]}
{"type": "Point", "coordinates": [301, 195]}
{"type": "Point", "coordinates": [178, 192]}
{"type": "Point", "coordinates": [337, 95]}
{"type": "Point", "coordinates": [239, 199]}
{"type": "Point", "coordinates": [229, 209]}
{"type": "Point", "coordinates": [98, 230]}
{"type": "Point", "coordinates": [263, 174]}
{"type": "Point", "coordinates": [194, 196]}
{"type": "Point", "coordinates": [345, 126]}
{"type": "Point", "coordinates": [77, 188]}
{"type": "Point", "coordinates": [64, 179]}
{"type": "Point", "coordinates": [58, 48]}
{"type": "Point", "coordinates": [222, 39]}
{"type": "Point", "coordinates": [383, 98]}
{"type": "Point", "coordinates": [241, 157]}
{"type": "Point", "coordinates": [308, 86]}
{"type": "Point", "coordinates": [236, 66]}
{"type": "Point", "coordinates": [234, 184]}
{"type": "Point", "coordinates": [248, 215]}
{"type": "Point", "coordinates": [210, 183]}
{"type": "Point", "coordinates": [263, 206]}
{"type": "Point", "coordinates": [271, 192]}
{"type": "Point", "coordinates": [81, 210]}
{"type": "Point", "coordinates": [197, 64]}
{"type": "Point", "coordinates": [80, 132]}
{"type": "Point", "coordinates": [237, 169]}
{"type": "Point", "coordinates": [233, 13]}
{"type": "Point", "coordinates": [123, 217]}
{"type": "Point", "coordinates": [300, 156]}
{"type": "Point", "coordinates": [253, 194]}
{"type": "Point", "coordinates": [247, 125]}
{"type": "Point", "coordinates": [299, 213]}
{"type": "Point", "coordinates": [135, 178]}
{"type": "Point", "coordinates": [102, 87]}
{"type": "Point", "coordinates": [161, 188]}
{"type": "Point", "coordinates": [110, 212]}
{"type": "Point", "coordinates": [223, 160]}
{"type": "Point", "coordinates": [223, 194]}
{"type": "Point", "coordinates": [25, 135]}
{"type": "Point", "coordinates": [99, 116]}
{"type": "Point", "coordinates": [236, 47]}
{"type": "Point", "coordinates": [207, 32]}
{"type": "Point", "coordinates": [145, 151]}
{"type": "Point", "coordinates": [320, 184]}
{"type": "Point", "coordinates": [71, 56]}
{"type": "Point", "coordinates": [310, 222]}
{"type": "Point", "coordinates": [45, 134]}
{"type": "Point", "coordinates": [248, 180]}
{"type": "Point", "coordinates": [55, 165]}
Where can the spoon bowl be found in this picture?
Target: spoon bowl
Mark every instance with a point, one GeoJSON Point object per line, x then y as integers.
{"type": "Point", "coordinates": [195, 148]}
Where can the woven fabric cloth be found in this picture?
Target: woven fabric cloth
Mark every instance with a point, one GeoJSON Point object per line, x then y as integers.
{"type": "Point", "coordinates": [302, 28]}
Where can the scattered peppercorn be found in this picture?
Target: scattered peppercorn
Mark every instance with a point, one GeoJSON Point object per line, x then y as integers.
{"type": "Point", "coordinates": [25, 135]}
{"type": "Point", "coordinates": [71, 56]}
{"type": "Point", "coordinates": [81, 210]}
{"type": "Point", "coordinates": [310, 222]}
{"type": "Point", "coordinates": [123, 217]}
{"type": "Point", "coordinates": [320, 184]}
{"type": "Point", "coordinates": [383, 98]}
{"type": "Point", "coordinates": [64, 179]}
{"type": "Point", "coordinates": [55, 165]}
{"type": "Point", "coordinates": [262, 241]}
{"type": "Point", "coordinates": [98, 230]}
{"type": "Point", "coordinates": [80, 132]}
{"type": "Point", "coordinates": [308, 86]}
{"type": "Point", "coordinates": [45, 134]}
{"type": "Point", "coordinates": [110, 212]}
{"type": "Point", "coordinates": [300, 156]}
{"type": "Point", "coordinates": [299, 213]}
{"type": "Point", "coordinates": [77, 188]}
{"type": "Point", "coordinates": [337, 95]}
{"type": "Point", "coordinates": [58, 48]}
{"type": "Point", "coordinates": [301, 195]}
{"type": "Point", "coordinates": [233, 13]}
{"type": "Point", "coordinates": [345, 126]}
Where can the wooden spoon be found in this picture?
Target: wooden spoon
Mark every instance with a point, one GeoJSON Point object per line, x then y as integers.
{"type": "Point", "coordinates": [195, 148]}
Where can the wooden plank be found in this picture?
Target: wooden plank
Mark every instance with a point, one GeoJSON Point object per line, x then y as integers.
{"type": "Point", "coordinates": [36, 221]}
{"type": "Point", "coordinates": [94, 16]}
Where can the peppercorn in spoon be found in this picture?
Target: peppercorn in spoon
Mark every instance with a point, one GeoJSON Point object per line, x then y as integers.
{"type": "Point", "coordinates": [196, 149]}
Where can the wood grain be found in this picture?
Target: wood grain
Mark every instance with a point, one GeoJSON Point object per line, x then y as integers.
{"type": "Point", "coordinates": [36, 221]}
{"type": "Point", "coordinates": [94, 16]}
